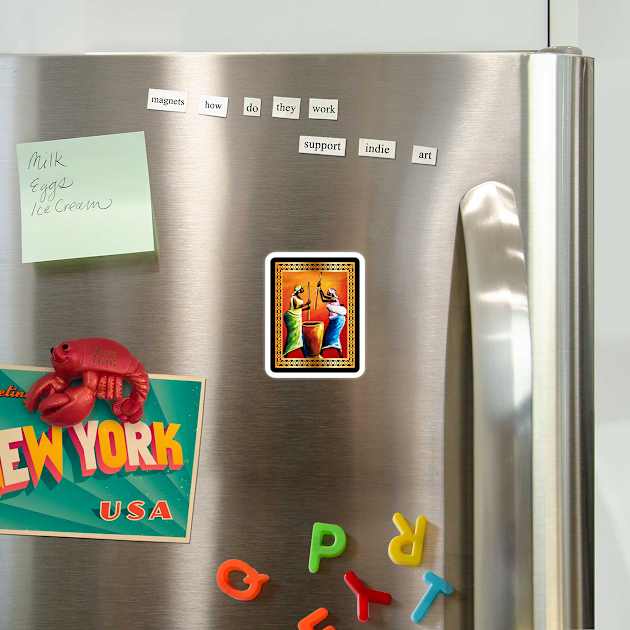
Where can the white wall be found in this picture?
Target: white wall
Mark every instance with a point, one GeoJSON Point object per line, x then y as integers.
{"type": "Point", "coordinates": [282, 25]}
{"type": "Point", "coordinates": [603, 28]}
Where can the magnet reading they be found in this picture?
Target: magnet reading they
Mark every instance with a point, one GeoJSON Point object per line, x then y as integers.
{"type": "Point", "coordinates": [315, 323]}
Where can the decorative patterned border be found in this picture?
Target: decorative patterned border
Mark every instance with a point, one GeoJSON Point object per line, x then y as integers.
{"type": "Point", "coordinates": [305, 363]}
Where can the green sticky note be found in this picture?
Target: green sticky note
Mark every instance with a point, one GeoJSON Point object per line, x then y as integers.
{"type": "Point", "coordinates": [85, 197]}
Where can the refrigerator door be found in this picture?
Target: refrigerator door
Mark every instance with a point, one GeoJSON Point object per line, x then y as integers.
{"type": "Point", "coordinates": [278, 455]}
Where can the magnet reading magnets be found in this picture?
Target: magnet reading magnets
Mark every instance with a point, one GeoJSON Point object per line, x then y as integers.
{"type": "Point", "coordinates": [102, 364]}
{"type": "Point", "coordinates": [252, 577]}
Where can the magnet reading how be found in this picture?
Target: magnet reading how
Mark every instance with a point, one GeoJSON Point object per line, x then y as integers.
{"type": "Point", "coordinates": [407, 537]}
{"type": "Point", "coordinates": [319, 550]}
{"type": "Point", "coordinates": [285, 107]}
{"type": "Point", "coordinates": [436, 586]}
{"type": "Point", "coordinates": [377, 148]}
{"type": "Point", "coordinates": [213, 105]}
{"type": "Point", "coordinates": [252, 577]}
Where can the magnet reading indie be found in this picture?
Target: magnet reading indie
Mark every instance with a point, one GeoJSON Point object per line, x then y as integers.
{"type": "Point", "coordinates": [106, 446]}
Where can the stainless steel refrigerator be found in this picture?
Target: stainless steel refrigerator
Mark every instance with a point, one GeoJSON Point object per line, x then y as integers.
{"type": "Point", "coordinates": [475, 408]}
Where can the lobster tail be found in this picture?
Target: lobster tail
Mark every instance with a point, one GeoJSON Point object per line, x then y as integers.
{"type": "Point", "coordinates": [130, 409]}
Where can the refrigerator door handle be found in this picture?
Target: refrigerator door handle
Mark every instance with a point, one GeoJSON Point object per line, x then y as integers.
{"type": "Point", "coordinates": [502, 375]}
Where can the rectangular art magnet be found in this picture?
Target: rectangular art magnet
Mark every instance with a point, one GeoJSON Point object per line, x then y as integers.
{"type": "Point", "coordinates": [315, 315]}
{"type": "Point", "coordinates": [100, 478]}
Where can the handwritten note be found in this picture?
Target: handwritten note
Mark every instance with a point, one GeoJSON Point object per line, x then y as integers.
{"type": "Point", "coordinates": [85, 197]}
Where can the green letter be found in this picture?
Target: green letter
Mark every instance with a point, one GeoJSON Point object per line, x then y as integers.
{"type": "Point", "coordinates": [319, 551]}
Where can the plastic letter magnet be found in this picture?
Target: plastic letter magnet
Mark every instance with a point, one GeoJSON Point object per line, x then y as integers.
{"type": "Point", "coordinates": [407, 537]}
{"type": "Point", "coordinates": [436, 586]}
{"type": "Point", "coordinates": [252, 577]}
{"type": "Point", "coordinates": [319, 551]}
{"type": "Point", "coordinates": [365, 596]}
{"type": "Point", "coordinates": [308, 623]}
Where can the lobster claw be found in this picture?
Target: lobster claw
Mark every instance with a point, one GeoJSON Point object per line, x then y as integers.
{"type": "Point", "coordinates": [68, 408]}
{"type": "Point", "coordinates": [43, 386]}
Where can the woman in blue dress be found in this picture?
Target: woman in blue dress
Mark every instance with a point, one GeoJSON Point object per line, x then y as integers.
{"type": "Point", "coordinates": [337, 316]}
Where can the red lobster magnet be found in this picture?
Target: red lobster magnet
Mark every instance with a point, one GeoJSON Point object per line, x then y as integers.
{"type": "Point", "coordinates": [102, 364]}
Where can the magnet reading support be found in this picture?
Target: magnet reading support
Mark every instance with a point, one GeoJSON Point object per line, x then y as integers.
{"type": "Point", "coordinates": [252, 577]}
{"type": "Point", "coordinates": [407, 537]}
{"type": "Point", "coordinates": [319, 551]}
{"type": "Point", "coordinates": [308, 623]}
{"type": "Point", "coordinates": [436, 586]}
{"type": "Point", "coordinates": [365, 596]}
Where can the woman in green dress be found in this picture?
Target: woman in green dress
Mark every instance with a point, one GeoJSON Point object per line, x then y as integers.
{"type": "Point", "coordinates": [293, 321]}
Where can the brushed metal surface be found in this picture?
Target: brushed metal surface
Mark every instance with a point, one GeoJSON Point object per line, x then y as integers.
{"type": "Point", "coordinates": [276, 454]}
{"type": "Point", "coordinates": [560, 273]}
{"type": "Point", "coordinates": [502, 372]}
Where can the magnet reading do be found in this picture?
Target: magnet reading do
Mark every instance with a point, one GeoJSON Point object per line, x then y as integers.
{"type": "Point", "coordinates": [251, 106]}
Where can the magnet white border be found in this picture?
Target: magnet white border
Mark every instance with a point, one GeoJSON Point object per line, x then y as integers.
{"type": "Point", "coordinates": [269, 297]}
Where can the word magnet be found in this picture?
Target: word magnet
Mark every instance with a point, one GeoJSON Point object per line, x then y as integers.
{"type": "Point", "coordinates": [252, 577]}
{"type": "Point", "coordinates": [319, 550]}
{"type": "Point", "coordinates": [213, 105]}
{"type": "Point", "coordinates": [285, 107]}
{"type": "Point", "coordinates": [407, 537]}
{"type": "Point", "coordinates": [251, 106]}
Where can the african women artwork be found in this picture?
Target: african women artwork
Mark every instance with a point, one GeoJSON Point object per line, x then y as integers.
{"type": "Point", "coordinates": [315, 314]}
